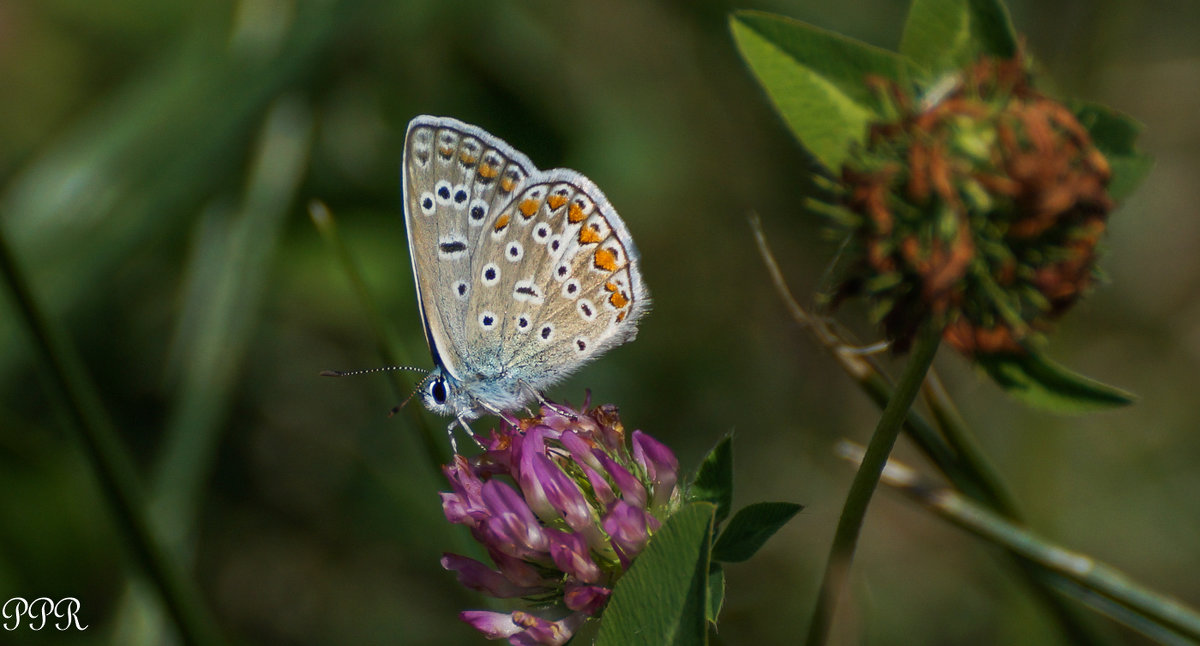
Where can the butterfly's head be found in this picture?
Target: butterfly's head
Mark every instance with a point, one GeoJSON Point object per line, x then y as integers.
{"type": "Point", "coordinates": [444, 395]}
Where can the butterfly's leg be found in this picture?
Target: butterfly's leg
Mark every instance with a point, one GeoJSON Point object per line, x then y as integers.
{"type": "Point", "coordinates": [561, 410]}
{"type": "Point", "coordinates": [450, 433]}
{"type": "Point", "coordinates": [508, 417]}
{"type": "Point", "coordinates": [459, 421]}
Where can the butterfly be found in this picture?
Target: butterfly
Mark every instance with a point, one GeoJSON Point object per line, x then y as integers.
{"type": "Point", "coordinates": [522, 275]}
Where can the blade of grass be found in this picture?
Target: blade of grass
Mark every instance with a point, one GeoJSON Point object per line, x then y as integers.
{"type": "Point", "coordinates": [1076, 628]}
{"type": "Point", "coordinates": [130, 172]}
{"type": "Point", "coordinates": [112, 465]}
{"type": "Point", "coordinates": [227, 283]}
{"type": "Point", "coordinates": [226, 279]}
{"type": "Point", "coordinates": [434, 444]}
{"type": "Point", "coordinates": [1110, 609]}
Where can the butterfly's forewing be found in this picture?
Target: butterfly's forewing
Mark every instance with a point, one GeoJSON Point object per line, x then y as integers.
{"type": "Point", "coordinates": [455, 176]}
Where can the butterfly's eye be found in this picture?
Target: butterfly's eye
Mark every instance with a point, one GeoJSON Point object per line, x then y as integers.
{"type": "Point", "coordinates": [437, 390]}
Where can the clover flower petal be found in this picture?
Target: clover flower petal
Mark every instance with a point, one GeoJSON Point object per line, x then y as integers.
{"type": "Point", "coordinates": [563, 502]}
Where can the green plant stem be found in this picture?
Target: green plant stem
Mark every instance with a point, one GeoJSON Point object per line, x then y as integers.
{"type": "Point", "coordinates": [1045, 584]}
{"type": "Point", "coordinates": [1099, 578]}
{"type": "Point", "coordinates": [1102, 604]}
{"type": "Point", "coordinates": [113, 467]}
{"type": "Point", "coordinates": [960, 460]}
{"type": "Point", "coordinates": [862, 369]}
{"type": "Point", "coordinates": [1074, 566]}
{"type": "Point", "coordinates": [227, 279]}
{"type": "Point", "coordinates": [845, 539]}
{"type": "Point", "coordinates": [880, 390]}
{"type": "Point", "coordinates": [962, 441]}
{"type": "Point", "coordinates": [433, 443]}
{"type": "Point", "coordinates": [968, 471]}
{"type": "Point", "coordinates": [1076, 627]}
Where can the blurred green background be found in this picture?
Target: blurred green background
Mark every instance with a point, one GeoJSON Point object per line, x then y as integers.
{"type": "Point", "coordinates": [156, 159]}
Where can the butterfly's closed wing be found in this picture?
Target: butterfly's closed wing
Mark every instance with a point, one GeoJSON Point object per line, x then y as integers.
{"type": "Point", "coordinates": [523, 275]}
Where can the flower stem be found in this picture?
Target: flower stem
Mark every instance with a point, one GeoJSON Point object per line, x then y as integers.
{"type": "Point", "coordinates": [960, 439]}
{"type": "Point", "coordinates": [112, 465]}
{"type": "Point", "coordinates": [841, 554]}
{"type": "Point", "coordinates": [956, 457]}
{"type": "Point", "coordinates": [989, 489]}
{"type": "Point", "coordinates": [861, 367]}
{"type": "Point", "coordinates": [1150, 612]}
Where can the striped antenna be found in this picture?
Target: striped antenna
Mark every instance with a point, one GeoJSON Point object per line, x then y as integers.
{"type": "Point", "coordinates": [351, 373]}
{"type": "Point", "coordinates": [395, 409]}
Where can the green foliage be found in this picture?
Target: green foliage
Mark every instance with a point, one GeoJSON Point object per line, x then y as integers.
{"type": "Point", "coordinates": [129, 166]}
{"type": "Point", "coordinates": [945, 34]}
{"type": "Point", "coordinates": [815, 79]}
{"type": "Point", "coordinates": [1115, 135]}
{"type": "Point", "coordinates": [132, 172]}
{"type": "Point", "coordinates": [227, 274]}
{"type": "Point", "coordinates": [820, 83]}
{"type": "Point", "coordinates": [675, 587]}
{"type": "Point", "coordinates": [1039, 382]}
{"type": "Point", "coordinates": [716, 592]}
{"type": "Point", "coordinates": [750, 529]}
{"type": "Point", "coordinates": [713, 481]}
{"type": "Point", "coordinates": [664, 598]}
{"type": "Point", "coordinates": [747, 531]}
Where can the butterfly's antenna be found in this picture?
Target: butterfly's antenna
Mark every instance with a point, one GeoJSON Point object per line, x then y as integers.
{"type": "Point", "coordinates": [420, 385]}
{"type": "Point", "coordinates": [351, 373]}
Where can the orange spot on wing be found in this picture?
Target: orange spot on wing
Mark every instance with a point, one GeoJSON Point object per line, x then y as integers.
{"type": "Point", "coordinates": [507, 184]}
{"type": "Point", "coordinates": [446, 152]}
{"type": "Point", "coordinates": [528, 207]}
{"type": "Point", "coordinates": [621, 315]}
{"type": "Point", "coordinates": [487, 171]}
{"type": "Point", "coordinates": [502, 221]}
{"type": "Point", "coordinates": [618, 300]}
{"type": "Point", "coordinates": [466, 158]}
{"type": "Point", "coordinates": [556, 201]}
{"type": "Point", "coordinates": [610, 286]}
{"type": "Point", "coordinates": [588, 235]}
{"type": "Point", "coordinates": [605, 259]}
{"type": "Point", "coordinates": [575, 213]}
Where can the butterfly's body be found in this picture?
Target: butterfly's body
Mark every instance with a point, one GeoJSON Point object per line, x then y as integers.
{"type": "Point", "coordinates": [522, 275]}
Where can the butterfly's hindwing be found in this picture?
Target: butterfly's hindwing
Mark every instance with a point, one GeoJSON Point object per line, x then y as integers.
{"type": "Point", "coordinates": [571, 288]}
